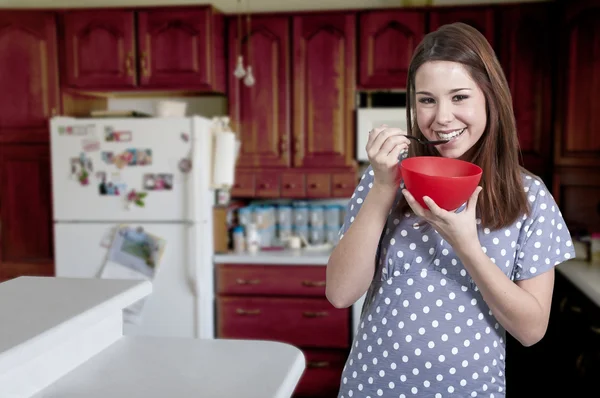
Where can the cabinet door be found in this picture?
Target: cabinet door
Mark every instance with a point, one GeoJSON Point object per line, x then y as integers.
{"type": "Point", "coordinates": [176, 48]}
{"type": "Point", "coordinates": [578, 139]}
{"type": "Point", "coordinates": [481, 18]}
{"type": "Point", "coordinates": [261, 113]}
{"type": "Point", "coordinates": [26, 237]}
{"type": "Point", "coordinates": [324, 90]}
{"type": "Point", "coordinates": [28, 75]}
{"type": "Point", "coordinates": [99, 49]}
{"type": "Point", "coordinates": [525, 58]}
{"type": "Point", "coordinates": [387, 42]}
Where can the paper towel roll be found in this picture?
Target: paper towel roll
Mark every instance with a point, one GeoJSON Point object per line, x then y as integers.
{"type": "Point", "coordinates": [224, 160]}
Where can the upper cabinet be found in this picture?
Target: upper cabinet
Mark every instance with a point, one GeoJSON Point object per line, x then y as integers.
{"type": "Point", "coordinates": [28, 75]}
{"type": "Point", "coordinates": [481, 18]}
{"type": "Point", "coordinates": [261, 113]}
{"type": "Point", "coordinates": [156, 49]}
{"type": "Point", "coordinates": [525, 57]}
{"type": "Point", "coordinates": [324, 89]}
{"type": "Point", "coordinates": [387, 40]}
{"type": "Point", "coordinates": [578, 130]}
{"type": "Point", "coordinates": [100, 49]}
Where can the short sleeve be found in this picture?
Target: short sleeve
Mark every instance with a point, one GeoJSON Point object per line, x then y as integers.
{"type": "Point", "coordinates": [544, 240]}
{"type": "Point", "coordinates": [357, 199]}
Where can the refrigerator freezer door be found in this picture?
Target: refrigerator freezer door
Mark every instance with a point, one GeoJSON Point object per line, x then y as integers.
{"type": "Point", "coordinates": [120, 155]}
{"type": "Point", "coordinates": [172, 307]}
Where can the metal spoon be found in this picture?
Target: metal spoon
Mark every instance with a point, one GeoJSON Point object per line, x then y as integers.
{"type": "Point", "coordinates": [425, 142]}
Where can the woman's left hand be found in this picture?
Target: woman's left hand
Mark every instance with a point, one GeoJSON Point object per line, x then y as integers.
{"type": "Point", "coordinates": [458, 229]}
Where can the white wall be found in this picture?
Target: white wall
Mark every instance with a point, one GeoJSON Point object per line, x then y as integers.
{"type": "Point", "coordinates": [256, 5]}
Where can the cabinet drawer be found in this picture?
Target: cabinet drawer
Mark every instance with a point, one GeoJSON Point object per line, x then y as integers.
{"type": "Point", "coordinates": [293, 185]}
{"type": "Point", "coordinates": [322, 375]}
{"type": "Point", "coordinates": [300, 322]}
{"type": "Point", "coordinates": [266, 280]}
{"type": "Point", "coordinates": [577, 192]}
{"type": "Point", "coordinates": [318, 185]}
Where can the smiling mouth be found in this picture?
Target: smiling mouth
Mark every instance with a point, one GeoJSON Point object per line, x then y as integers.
{"type": "Point", "coordinates": [450, 135]}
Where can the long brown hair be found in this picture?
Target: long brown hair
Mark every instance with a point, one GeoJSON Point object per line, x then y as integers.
{"type": "Point", "coordinates": [502, 199]}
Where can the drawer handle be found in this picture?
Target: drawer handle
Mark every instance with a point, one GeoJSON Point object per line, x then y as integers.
{"type": "Point", "coordinates": [313, 283]}
{"type": "Point", "coordinates": [264, 186]}
{"type": "Point", "coordinates": [341, 186]}
{"type": "Point", "coordinates": [241, 311]}
{"type": "Point", "coordinates": [241, 281]}
{"type": "Point", "coordinates": [290, 186]}
{"type": "Point", "coordinates": [314, 186]}
{"type": "Point", "coordinates": [315, 314]}
{"type": "Point", "coordinates": [317, 364]}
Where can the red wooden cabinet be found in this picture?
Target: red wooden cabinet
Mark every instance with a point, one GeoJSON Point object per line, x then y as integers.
{"type": "Point", "coordinates": [26, 237]}
{"type": "Point", "coordinates": [578, 103]}
{"type": "Point", "coordinates": [99, 48]}
{"type": "Point", "coordinates": [525, 56]}
{"type": "Point", "coordinates": [261, 113]}
{"type": "Point", "coordinates": [481, 18]}
{"type": "Point", "coordinates": [324, 48]}
{"type": "Point", "coordinates": [181, 48]}
{"type": "Point", "coordinates": [286, 303]}
{"type": "Point", "coordinates": [387, 41]}
{"type": "Point", "coordinates": [28, 75]}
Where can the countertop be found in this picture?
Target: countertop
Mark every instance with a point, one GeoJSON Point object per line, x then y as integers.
{"type": "Point", "coordinates": [36, 312]}
{"type": "Point", "coordinates": [276, 257]}
{"type": "Point", "coordinates": [583, 275]}
{"type": "Point", "coordinates": [175, 367]}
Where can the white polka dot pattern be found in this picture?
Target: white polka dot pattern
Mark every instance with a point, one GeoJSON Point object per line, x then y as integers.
{"type": "Point", "coordinates": [425, 328]}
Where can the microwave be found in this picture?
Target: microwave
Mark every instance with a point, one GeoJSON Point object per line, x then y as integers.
{"type": "Point", "coordinates": [374, 110]}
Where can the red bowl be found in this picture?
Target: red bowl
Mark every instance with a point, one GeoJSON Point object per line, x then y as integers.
{"type": "Point", "coordinates": [449, 182]}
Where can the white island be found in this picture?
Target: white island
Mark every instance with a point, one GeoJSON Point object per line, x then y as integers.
{"type": "Point", "coordinates": [63, 337]}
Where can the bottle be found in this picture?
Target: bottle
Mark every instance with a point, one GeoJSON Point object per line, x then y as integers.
{"type": "Point", "coordinates": [239, 242]}
{"type": "Point", "coordinates": [252, 238]}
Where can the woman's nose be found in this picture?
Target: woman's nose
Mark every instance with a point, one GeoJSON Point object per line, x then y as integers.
{"type": "Point", "coordinates": [444, 114]}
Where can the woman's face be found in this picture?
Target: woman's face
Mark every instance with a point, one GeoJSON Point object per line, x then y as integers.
{"type": "Point", "coordinates": [449, 104]}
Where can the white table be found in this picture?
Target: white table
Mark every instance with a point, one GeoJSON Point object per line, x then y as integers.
{"type": "Point", "coordinates": [63, 337]}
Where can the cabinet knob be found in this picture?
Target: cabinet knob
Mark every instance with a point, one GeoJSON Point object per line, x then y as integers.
{"type": "Point", "coordinates": [241, 311]}
{"type": "Point", "coordinates": [241, 281]}
{"type": "Point", "coordinates": [264, 186]}
{"type": "Point", "coordinates": [314, 314]}
{"type": "Point", "coordinates": [313, 283]}
{"type": "Point", "coordinates": [290, 186]}
{"type": "Point", "coordinates": [317, 364]}
{"type": "Point", "coordinates": [144, 64]}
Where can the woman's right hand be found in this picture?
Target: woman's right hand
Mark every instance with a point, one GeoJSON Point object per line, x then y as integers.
{"type": "Point", "coordinates": [384, 146]}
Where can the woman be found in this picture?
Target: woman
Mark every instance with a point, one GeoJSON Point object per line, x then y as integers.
{"type": "Point", "coordinates": [444, 287]}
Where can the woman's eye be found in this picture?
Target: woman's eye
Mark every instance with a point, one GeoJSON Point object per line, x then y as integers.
{"type": "Point", "coordinates": [460, 97]}
{"type": "Point", "coordinates": [426, 100]}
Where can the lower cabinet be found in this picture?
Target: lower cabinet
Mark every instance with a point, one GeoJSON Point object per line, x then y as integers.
{"type": "Point", "coordinates": [286, 303]}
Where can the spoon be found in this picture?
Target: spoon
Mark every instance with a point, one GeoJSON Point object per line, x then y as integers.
{"type": "Point", "coordinates": [425, 142]}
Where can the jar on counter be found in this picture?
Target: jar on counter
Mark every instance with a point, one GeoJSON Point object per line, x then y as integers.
{"type": "Point", "coordinates": [239, 242]}
{"type": "Point", "coordinates": [252, 238]}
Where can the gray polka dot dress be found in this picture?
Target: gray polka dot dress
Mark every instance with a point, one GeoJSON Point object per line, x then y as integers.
{"type": "Point", "coordinates": [425, 330]}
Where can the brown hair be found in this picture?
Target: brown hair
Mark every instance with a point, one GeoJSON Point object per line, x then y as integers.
{"type": "Point", "coordinates": [503, 198]}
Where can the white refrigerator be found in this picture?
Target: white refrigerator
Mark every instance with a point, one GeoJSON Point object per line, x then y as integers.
{"type": "Point", "coordinates": [150, 177]}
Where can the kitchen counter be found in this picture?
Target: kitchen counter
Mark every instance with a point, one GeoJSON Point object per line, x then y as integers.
{"type": "Point", "coordinates": [583, 275]}
{"type": "Point", "coordinates": [63, 337]}
{"type": "Point", "coordinates": [276, 257]}
{"type": "Point", "coordinates": [175, 367]}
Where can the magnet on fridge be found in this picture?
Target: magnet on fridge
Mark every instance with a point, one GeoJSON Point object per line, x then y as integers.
{"type": "Point", "coordinates": [185, 137]}
{"type": "Point", "coordinates": [185, 165]}
{"type": "Point", "coordinates": [158, 182]}
{"type": "Point", "coordinates": [108, 157]}
{"type": "Point", "coordinates": [81, 167]}
{"type": "Point", "coordinates": [90, 145]}
{"type": "Point", "coordinates": [111, 135]}
{"type": "Point", "coordinates": [136, 198]}
{"type": "Point", "coordinates": [139, 157]}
